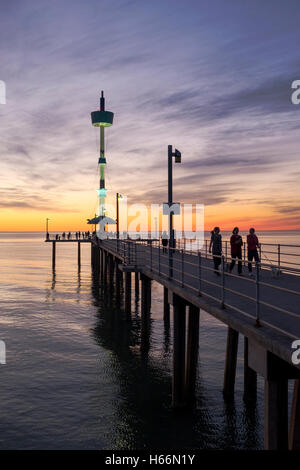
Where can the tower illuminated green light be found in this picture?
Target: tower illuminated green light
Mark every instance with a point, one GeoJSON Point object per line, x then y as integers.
{"type": "Point", "coordinates": [102, 119]}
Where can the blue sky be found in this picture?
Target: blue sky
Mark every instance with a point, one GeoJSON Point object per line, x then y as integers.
{"type": "Point", "coordinates": [212, 78]}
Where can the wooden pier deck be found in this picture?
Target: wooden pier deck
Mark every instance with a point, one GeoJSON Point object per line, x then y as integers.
{"type": "Point", "coordinates": [194, 278]}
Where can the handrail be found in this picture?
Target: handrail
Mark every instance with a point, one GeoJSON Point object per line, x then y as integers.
{"type": "Point", "coordinates": [189, 272]}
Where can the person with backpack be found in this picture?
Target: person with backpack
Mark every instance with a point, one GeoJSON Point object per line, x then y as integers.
{"type": "Point", "coordinates": [236, 243]}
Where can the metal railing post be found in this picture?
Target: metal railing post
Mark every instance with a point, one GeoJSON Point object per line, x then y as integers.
{"type": "Point", "coordinates": [159, 258]}
{"type": "Point", "coordinates": [278, 256]}
{"type": "Point", "coordinates": [206, 249]}
{"type": "Point", "coordinates": [199, 272]}
{"type": "Point", "coordinates": [151, 256]}
{"type": "Point", "coordinates": [182, 268]}
{"type": "Point", "coordinates": [260, 252]}
{"type": "Point", "coordinates": [244, 254]}
{"type": "Point", "coordinates": [257, 322]}
{"type": "Point", "coordinates": [223, 282]}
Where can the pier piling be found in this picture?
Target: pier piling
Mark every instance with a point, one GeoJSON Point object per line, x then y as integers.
{"type": "Point", "coordinates": [166, 305]}
{"type": "Point", "coordinates": [192, 352]}
{"type": "Point", "coordinates": [276, 414]}
{"type": "Point", "coordinates": [178, 382]}
{"type": "Point", "coordinates": [118, 282]}
{"type": "Point", "coordinates": [128, 293]}
{"type": "Point", "coordinates": [146, 295]}
{"type": "Point", "coordinates": [250, 378]}
{"type": "Point", "coordinates": [111, 272]}
{"type": "Point", "coordinates": [230, 364]}
{"type": "Point", "coordinates": [137, 286]}
{"type": "Point", "coordinates": [53, 254]}
{"type": "Point", "coordinates": [145, 312]}
{"type": "Point", "coordinates": [294, 434]}
{"type": "Point", "coordinates": [78, 255]}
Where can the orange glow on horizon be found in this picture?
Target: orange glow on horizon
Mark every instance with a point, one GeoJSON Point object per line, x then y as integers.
{"type": "Point", "coordinates": [25, 220]}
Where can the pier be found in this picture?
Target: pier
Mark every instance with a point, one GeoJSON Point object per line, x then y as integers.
{"type": "Point", "coordinates": [263, 309]}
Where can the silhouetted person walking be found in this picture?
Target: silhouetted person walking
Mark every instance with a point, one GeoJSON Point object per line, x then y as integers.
{"type": "Point", "coordinates": [164, 241]}
{"type": "Point", "coordinates": [253, 244]}
{"type": "Point", "coordinates": [236, 243]}
{"type": "Point", "coordinates": [216, 248]}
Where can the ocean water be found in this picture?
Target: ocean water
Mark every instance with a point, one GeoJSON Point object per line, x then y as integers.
{"type": "Point", "coordinates": [75, 377]}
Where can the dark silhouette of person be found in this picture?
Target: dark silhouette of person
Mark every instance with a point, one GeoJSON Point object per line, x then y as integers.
{"type": "Point", "coordinates": [253, 244]}
{"type": "Point", "coordinates": [216, 248]}
{"type": "Point", "coordinates": [236, 243]}
{"type": "Point", "coordinates": [164, 241]}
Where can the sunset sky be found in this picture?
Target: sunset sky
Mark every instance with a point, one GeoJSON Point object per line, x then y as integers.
{"type": "Point", "coordinates": [212, 78]}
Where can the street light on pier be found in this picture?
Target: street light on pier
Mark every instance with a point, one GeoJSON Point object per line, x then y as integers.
{"type": "Point", "coordinates": [171, 206]}
{"type": "Point", "coordinates": [47, 231]}
{"type": "Point", "coordinates": [177, 155]}
{"type": "Point", "coordinates": [118, 196]}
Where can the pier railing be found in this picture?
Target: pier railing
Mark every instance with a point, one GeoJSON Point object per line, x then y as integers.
{"type": "Point", "coordinates": [271, 297]}
{"type": "Point", "coordinates": [279, 255]}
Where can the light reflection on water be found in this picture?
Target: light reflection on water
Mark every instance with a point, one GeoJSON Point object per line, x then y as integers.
{"type": "Point", "coordinates": [76, 377]}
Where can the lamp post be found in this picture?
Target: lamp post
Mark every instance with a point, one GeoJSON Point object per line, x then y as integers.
{"type": "Point", "coordinates": [118, 196]}
{"type": "Point", "coordinates": [177, 155]}
{"type": "Point", "coordinates": [47, 232]}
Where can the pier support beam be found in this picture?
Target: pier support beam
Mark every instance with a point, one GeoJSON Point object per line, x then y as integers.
{"type": "Point", "coordinates": [101, 264]}
{"type": "Point", "coordinates": [166, 305]}
{"type": "Point", "coordinates": [128, 293]}
{"type": "Point", "coordinates": [78, 255]}
{"type": "Point", "coordinates": [276, 414]}
{"type": "Point", "coordinates": [230, 364]}
{"type": "Point", "coordinates": [294, 435]}
{"type": "Point", "coordinates": [276, 373]}
{"type": "Point", "coordinates": [250, 378]}
{"type": "Point", "coordinates": [178, 383]}
{"type": "Point", "coordinates": [118, 282]}
{"type": "Point", "coordinates": [105, 267]}
{"type": "Point", "coordinates": [97, 254]}
{"type": "Point", "coordinates": [192, 352]}
{"type": "Point", "coordinates": [111, 272]}
{"type": "Point", "coordinates": [53, 255]}
{"type": "Point", "coordinates": [146, 295]}
{"type": "Point", "coordinates": [145, 312]}
{"type": "Point", "coordinates": [137, 286]}
{"type": "Point", "coordinates": [95, 258]}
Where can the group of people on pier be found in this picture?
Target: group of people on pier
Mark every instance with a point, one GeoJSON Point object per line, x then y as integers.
{"type": "Point", "coordinates": [68, 236]}
{"type": "Point", "coordinates": [236, 243]}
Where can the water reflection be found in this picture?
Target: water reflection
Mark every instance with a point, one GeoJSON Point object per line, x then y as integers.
{"type": "Point", "coordinates": [144, 417]}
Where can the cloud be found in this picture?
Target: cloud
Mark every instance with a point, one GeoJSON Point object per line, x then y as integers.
{"type": "Point", "coordinates": [220, 94]}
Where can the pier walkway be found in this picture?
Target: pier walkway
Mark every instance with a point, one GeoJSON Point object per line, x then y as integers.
{"type": "Point", "coordinates": [272, 302]}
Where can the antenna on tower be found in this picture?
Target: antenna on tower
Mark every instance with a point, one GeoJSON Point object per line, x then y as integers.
{"type": "Point", "coordinates": [102, 102]}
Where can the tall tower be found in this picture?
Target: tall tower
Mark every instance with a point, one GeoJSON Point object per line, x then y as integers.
{"type": "Point", "coordinates": [102, 119]}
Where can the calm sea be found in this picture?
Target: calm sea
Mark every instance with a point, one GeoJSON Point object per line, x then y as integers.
{"type": "Point", "coordinates": [75, 377]}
